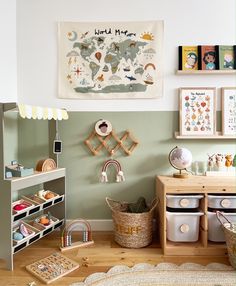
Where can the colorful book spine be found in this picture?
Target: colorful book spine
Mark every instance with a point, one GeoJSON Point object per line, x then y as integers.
{"type": "Point", "coordinates": [207, 58]}
{"type": "Point", "coordinates": [226, 57]}
{"type": "Point", "coordinates": [188, 57]}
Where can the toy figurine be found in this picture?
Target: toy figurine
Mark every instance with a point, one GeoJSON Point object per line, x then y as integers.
{"type": "Point", "coordinates": [234, 161]}
{"type": "Point", "coordinates": [228, 160]}
{"type": "Point", "coordinates": [210, 161]}
{"type": "Point", "coordinates": [219, 160]}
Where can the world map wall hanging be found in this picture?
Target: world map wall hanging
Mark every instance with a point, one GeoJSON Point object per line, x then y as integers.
{"type": "Point", "coordinates": [110, 60]}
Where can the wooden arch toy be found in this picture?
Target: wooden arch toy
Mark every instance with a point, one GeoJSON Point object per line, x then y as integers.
{"type": "Point", "coordinates": [66, 237]}
{"type": "Point", "coordinates": [119, 176]}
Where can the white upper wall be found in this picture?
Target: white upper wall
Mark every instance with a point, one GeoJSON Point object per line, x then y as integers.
{"type": "Point", "coordinates": [186, 22]}
{"type": "Point", "coordinates": [8, 78]}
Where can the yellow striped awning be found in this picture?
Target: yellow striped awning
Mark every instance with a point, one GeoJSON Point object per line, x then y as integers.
{"type": "Point", "coordinates": [38, 112]}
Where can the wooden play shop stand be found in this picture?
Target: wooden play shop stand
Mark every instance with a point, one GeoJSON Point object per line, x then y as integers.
{"type": "Point", "coordinates": [192, 185]}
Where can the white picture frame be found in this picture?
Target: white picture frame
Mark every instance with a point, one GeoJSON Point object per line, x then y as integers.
{"type": "Point", "coordinates": [228, 97]}
{"type": "Point", "coordinates": [197, 111]}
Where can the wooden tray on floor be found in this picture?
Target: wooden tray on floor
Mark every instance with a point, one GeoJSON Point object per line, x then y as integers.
{"type": "Point", "coordinates": [52, 267]}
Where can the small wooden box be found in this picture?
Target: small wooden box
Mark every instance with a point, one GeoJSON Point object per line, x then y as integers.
{"type": "Point", "coordinates": [19, 173]}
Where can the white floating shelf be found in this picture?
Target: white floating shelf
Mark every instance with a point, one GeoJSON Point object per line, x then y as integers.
{"type": "Point", "coordinates": [204, 72]}
{"type": "Point", "coordinates": [218, 135]}
{"type": "Point", "coordinates": [221, 173]}
{"type": "Point", "coordinates": [37, 178]}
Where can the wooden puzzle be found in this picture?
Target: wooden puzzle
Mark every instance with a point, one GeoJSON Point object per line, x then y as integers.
{"type": "Point", "coordinates": [52, 267]}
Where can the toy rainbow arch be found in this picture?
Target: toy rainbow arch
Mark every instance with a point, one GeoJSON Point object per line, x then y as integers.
{"type": "Point", "coordinates": [149, 65]}
{"type": "Point", "coordinates": [66, 237]}
{"type": "Point", "coordinates": [120, 175]}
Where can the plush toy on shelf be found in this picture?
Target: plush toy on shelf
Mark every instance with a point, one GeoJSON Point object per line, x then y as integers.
{"type": "Point", "coordinates": [219, 160]}
{"type": "Point", "coordinates": [228, 160]}
{"type": "Point", "coordinates": [234, 161]}
{"type": "Point", "coordinates": [210, 162]}
{"type": "Point", "coordinates": [221, 165]}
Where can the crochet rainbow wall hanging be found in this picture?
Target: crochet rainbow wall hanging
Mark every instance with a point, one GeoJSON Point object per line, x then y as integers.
{"type": "Point", "coordinates": [119, 176]}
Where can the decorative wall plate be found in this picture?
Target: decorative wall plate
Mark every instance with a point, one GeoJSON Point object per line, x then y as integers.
{"type": "Point", "coordinates": [103, 127]}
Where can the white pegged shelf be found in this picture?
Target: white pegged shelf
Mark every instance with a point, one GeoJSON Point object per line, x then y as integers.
{"type": "Point", "coordinates": [218, 135]}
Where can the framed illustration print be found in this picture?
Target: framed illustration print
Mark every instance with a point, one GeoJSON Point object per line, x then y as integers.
{"type": "Point", "coordinates": [229, 111]}
{"type": "Point", "coordinates": [197, 111]}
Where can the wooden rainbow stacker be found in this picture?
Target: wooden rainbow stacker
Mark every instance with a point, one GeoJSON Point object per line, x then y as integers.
{"type": "Point", "coordinates": [66, 238]}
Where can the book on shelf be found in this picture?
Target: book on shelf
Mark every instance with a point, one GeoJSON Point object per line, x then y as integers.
{"type": "Point", "coordinates": [226, 57]}
{"type": "Point", "coordinates": [188, 57]}
{"type": "Point", "coordinates": [207, 58]}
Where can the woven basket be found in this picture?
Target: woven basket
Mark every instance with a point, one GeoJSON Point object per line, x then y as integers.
{"type": "Point", "coordinates": [230, 237]}
{"type": "Point", "coordinates": [132, 230]}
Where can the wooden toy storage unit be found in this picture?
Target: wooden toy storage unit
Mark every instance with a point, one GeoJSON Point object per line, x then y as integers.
{"type": "Point", "coordinates": [53, 180]}
{"type": "Point", "coordinates": [192, 185]}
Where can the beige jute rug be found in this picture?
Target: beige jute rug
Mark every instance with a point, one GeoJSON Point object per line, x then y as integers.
{"type": "Point", "coordinates": [164, 274]}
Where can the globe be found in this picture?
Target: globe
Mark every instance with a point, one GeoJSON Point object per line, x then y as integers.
{"type": "Point", "coordinates": [180, 159]}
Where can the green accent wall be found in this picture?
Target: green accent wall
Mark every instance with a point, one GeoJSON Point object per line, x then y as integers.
{"type": "Point", "coordinates": [85, 194]}
{"type": "Point", "coordinates": [33, 141]}
{"type": "Point", "coordinates": [10, 137]}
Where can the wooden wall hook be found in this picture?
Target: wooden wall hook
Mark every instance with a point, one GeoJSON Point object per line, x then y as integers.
{"type": "Point", "coordinates": [108, 141]}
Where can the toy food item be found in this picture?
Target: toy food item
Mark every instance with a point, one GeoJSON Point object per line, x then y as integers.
{"type": "Point", "coordinates": [24, 231]}
{"type": "Point", "coordinates": [40, 193]}
{"type": "Point", "coordinates": [20, 207]}
{"type": "Point", "coordinates": [44, 221]}
{"type": "Point", "coordinates": [17, 236]}
{"type": "Point", "coordinates": [49, 195]}
{"type": "Point", "coordinates": [228, 160]}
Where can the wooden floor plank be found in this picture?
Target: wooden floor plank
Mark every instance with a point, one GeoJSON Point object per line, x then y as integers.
{"type": "Point", "coordinates": [104, 254]}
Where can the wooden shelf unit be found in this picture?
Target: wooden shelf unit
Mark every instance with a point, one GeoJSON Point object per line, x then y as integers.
{"type": "Point", "coordinates": [218, 135]}
{"type": "Point", "coordinates": [205, 72]}
{"type": "Point", "coordinates": [54, 181]}
{"type": "Point", "coordinates": [10, 189]}
{"type": "Point", "coordinates": [192, 185]}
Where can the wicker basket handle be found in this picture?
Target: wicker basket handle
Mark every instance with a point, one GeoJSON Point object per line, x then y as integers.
{"type": "Point", "coordinates": [114, 205]}
{"type": "Point", "coordinates": [154, 204]}
{"type": "Point", "coordinates": [220, 215]}
{"type": "Point", "coordinates": [108, 202]}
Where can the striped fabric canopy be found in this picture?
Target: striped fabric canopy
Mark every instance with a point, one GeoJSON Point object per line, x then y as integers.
{"type": "Point", "coordinates": [37, 112]}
